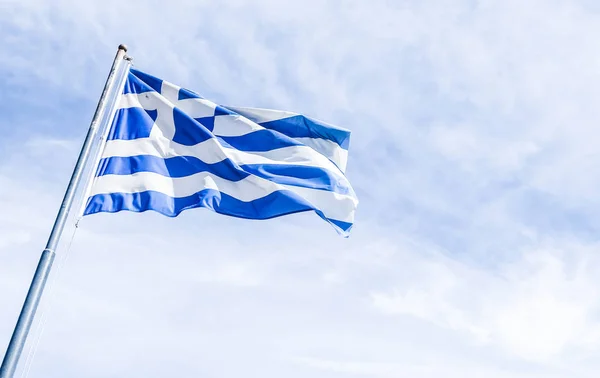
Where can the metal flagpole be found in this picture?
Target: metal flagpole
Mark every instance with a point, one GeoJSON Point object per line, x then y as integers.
{"type": "Point", "coordinates": [17, 341]}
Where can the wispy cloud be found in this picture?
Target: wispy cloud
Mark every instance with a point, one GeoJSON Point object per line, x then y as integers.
{"type": "Point", "coordinates": [535, 307]}
{"type": "Point", "coordinates": [473, 154]}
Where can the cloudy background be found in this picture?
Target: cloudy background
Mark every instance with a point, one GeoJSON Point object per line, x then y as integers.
{"type": "Point", "coordinates": [474, 153]}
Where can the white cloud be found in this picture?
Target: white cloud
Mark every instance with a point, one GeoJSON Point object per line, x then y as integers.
{"type": "Point", "coordinates": [539, 307]}
{"type": "Point", "coordinates": [387, 369]}
{"type": "Point", "coordinates": [473, 154]}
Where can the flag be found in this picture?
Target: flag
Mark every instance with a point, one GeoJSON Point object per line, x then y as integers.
{"type": "Point", "coordinates": [168, 149]}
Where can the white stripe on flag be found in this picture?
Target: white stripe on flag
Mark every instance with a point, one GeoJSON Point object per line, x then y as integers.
{"type": "Point", "coordinates": [329, 149]}
{"type": "Point", "coordinates": [333, 205]}
{"type": "Point", "coordinates": [210, 152]}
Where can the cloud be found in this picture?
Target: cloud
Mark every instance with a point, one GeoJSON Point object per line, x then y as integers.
{"type": "Point", "coordinates": [473, 154]}
{"type": "Point", "coordinates": [383, 369]}
{"type": "Point", "coordinates": [537, 307]}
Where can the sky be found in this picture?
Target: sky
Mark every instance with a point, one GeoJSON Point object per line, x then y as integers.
{"type": "Point", "coordinates": [475, 250]}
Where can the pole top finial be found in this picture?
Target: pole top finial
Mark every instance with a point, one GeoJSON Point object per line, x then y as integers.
{"type": "Point", "coordinates": [123, 47]}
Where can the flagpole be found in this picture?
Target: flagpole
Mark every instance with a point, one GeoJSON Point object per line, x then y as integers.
{"type": "Point", "coordinates": [19, 336]}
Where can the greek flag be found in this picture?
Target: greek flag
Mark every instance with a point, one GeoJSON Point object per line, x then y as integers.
{"type": "Point", "coordinates": [169, 149]}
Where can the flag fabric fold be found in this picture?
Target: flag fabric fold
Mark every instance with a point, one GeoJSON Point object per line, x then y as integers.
{"type": "Point", "coordinates": [169, 149]}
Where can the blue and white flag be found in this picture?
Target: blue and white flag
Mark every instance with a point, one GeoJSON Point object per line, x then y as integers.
{"type": "Point", "coordinates": [168, 150]}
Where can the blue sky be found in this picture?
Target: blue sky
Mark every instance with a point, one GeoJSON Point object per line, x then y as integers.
{"type": "Point", "coordinates": [473, 153]}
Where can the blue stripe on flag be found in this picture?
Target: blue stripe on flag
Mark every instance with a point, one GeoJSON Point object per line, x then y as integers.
{"type": "Point", "coordinates": [299, 126]}
{"type": "Point", "coordinates": [208, 122]}
{"type": "Point", "coordinates": [178, 166]}
{"type": "Point", "coordinates": [302, 127]}
{"type": "Point", "coordinates": [259, 141]}
{"type": "Point", "coordinates": [186, 93]}
{"type": "Point", "coordinates": [273, 205]}
{"type": "Point", "coordinates": [344, 226]}
{"type": "Point", "coordinates": [300, 175]}
{"type": "Point", "coordinates": [219, 111]}
{"type": "Point", "coordinates": [183, 166]}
